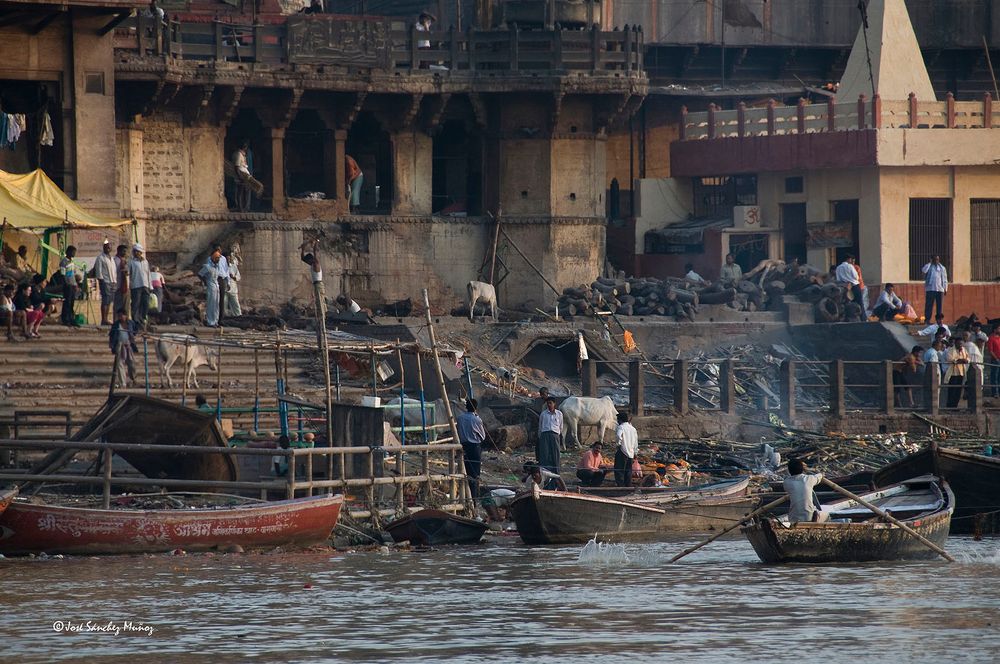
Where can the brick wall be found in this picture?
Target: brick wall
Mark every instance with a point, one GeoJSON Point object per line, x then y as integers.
{"type": "Point", "coordinates": [165, 163]}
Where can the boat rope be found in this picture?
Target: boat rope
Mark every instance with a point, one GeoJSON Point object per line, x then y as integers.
{"type": "Point", "coordinates": [976, 515]}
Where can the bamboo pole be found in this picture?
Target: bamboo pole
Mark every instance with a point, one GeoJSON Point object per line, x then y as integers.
{"type": "Point", "coordinates": [493, 253]}
{"type": "Point", "coordinates": [106, 499]}
{"type": "Point", "coordinates": [400, 468]}
{"type": "Point", "coordinates": [256, 390]}
{"type": "Point", "coordinates": [218, 380]}
{"type": "Point", "coordinates": [319, 293]}
{"type": "Point", "coordinates": [447, 402]}
{"type": "Point", "coordinates": [888, 517]}
{"type": "Point", "coordinates": [184, 372]}
{"type": "Point", "coordinates": [757, 512]}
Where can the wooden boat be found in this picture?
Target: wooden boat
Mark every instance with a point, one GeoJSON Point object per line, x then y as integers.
{"type": "Point", "coordinates": [700, 509]}
{"type": "Point", "coordinates": [560, 517]}
{"type": "Point", "coordinates": [855, 534]}
{"type": "Point", "coordinates": [436, 527]}
{"type": "Point", "coordinates": [974, 478]}
{"type": "Point", "coordinates": [727, 487]}
{"type": "Point", "coordinates": [35, 528]}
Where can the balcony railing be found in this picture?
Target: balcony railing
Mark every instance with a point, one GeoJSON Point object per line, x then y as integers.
{"type": "Point", "coordinates": [383, 44]}
{"type": "Point", "coordinates": [775, 120]}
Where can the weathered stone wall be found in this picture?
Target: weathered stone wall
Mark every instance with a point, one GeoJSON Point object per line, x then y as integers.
{"type": "Point", "coordinates": [165, 163]}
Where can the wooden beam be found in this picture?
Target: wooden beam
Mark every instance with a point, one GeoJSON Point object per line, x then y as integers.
{"type": "Point", "coordinates": [47, 21]}
{"type": "Point", "coordinates": [16, 17]}
{"type": "Point", "coordinates": [117, 20]}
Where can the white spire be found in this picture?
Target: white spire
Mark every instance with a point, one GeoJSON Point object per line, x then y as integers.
{"type": "Point", "coordinates": [897, 65]}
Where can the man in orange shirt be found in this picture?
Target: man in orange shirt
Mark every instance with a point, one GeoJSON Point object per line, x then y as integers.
{"type": "Point", "coordinates": [589, 471]}
{"type": "Point", "coordinates": [355, 178]}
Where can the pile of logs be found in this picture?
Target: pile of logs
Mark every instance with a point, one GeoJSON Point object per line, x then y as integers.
{"type": "Point", "coordinates": [183, 299]}
{"type": "Point", "coordinates": [764, 287]}
{"type": "Point", "coordinates": [649, 296]}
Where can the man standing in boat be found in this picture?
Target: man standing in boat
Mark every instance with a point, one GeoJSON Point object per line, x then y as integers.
{"type": "Point", "coordinates": [471, 433]}
{"type": "Point", "coordinates": [628, 447]}
{"type": "Point", "coordinates": [550, 429]}
{"type": "Point", "coordinates": [800, 487]}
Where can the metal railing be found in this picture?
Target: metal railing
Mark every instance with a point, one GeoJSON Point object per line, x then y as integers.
{"type": "Point", "coordinates": [378, 43]}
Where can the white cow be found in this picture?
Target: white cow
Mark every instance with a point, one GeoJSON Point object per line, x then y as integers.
{"type": "Point", "coordinates": [482, 292]}
{"type": "Point", "coordinates": [171, 349]}
{"type": "Point", "coordinates": [588, 411]}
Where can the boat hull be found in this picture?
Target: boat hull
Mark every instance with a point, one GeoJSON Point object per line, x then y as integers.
{"type": "Point", "coordinates": [558, 517]}
{"type": "Point", "coordinates": [435, 528]}
{"type": "Point", "coordinates": [974, 478]}
{"type": "Point", "coordinates": [31, 528]}
{"type": "Point", "coordinates": [707, 515]}
{"type": "Point", "coordinates": [844, 543]}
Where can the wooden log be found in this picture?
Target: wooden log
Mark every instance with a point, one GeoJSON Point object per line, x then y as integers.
{"type": "Point", "coordinates": [725, 297]}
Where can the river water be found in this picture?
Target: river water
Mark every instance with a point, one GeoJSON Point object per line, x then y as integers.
{"type": "Point", "coordinates": [502, 602]}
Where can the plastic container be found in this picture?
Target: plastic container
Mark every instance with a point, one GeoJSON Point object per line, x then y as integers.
{"type": "Point", "coordinates": [371, 402]}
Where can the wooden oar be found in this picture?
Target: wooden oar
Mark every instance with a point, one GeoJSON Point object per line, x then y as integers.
{"type": "Point", "coordinates": [770, 506]}
{"type": "Point", "coordinates": [888, 517]}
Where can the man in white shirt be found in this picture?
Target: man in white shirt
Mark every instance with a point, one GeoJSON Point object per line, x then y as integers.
{"type": "Point", "coordinates": [935, 286]}
{"type": "Point", "coordinates": [802, 502]}
{"type": "Point", "coordinates": [541, 478]}
{"type": "Point", "coordinates": [846, 274]}
{"type": "Point", "coordinates": [693, 276]}
{"type": "Point", "coordinates": [976, 359]}
{"type": "Point", "coordinates": [628, 447]}
{"type": "Point", "coordinates": [934, 356]}
{"type": "Point", "coordinates": [550, 431]}
{"type": "Point", "coordinates": [140, 284]}
{"type": "Point", "coordinates": [107, 279]}
{"type": "Point", "coordinates": [936, 328]}
{"type": "Point", "coordinates": [888, 304]}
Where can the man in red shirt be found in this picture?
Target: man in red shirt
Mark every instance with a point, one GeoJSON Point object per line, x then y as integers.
{"type": "Point", "coordinates": [993, 345]}
{"type": "Point", "coordinates": [589, 471]}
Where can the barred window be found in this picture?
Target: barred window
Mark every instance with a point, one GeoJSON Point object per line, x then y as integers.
{"type": "Point", "coordinates": [985, 222]}
{"type": "Point", "coordinates": [930, 233]}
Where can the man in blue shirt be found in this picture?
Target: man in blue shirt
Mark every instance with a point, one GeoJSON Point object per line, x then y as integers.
{"type": "Point", "coordinates": [471, 434]}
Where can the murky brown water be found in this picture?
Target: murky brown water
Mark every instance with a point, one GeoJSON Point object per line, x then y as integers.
{"type": "Point", "coordinates": [503, 602]}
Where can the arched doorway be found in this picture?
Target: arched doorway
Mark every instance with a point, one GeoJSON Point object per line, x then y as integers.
{"type": "Point", "coordinates": [247, 126]}
{"type": "Point", "coordinates": [457, 178]}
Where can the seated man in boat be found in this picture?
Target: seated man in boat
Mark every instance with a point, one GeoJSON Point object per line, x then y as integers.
{"type": "Point", "coordinates": [591, 469]}
{"type": "Point", "coordinates": [800, 487]}
{"type": "Point", "coordinates": [535, 474]}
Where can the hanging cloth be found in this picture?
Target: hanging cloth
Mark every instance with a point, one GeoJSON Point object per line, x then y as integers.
{"type": "Point", "coordinates": [13, 129]}
{"type": "Point", "coordinates": [48, 136]}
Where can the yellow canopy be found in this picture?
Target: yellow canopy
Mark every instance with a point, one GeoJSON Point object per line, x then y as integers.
{"type": "Point", "coordinates": [33, 201]}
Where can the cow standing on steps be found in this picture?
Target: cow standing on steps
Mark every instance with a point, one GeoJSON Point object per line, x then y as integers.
{"type": "Point", "coordinates": [482, 292]}
{"type": "Point", "coordinates": [174, 347]}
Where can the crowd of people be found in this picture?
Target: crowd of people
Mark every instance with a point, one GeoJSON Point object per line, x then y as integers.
{"type": "Point", "coordinates": [952, 354]}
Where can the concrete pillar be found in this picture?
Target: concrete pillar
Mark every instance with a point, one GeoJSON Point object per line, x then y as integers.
{"type": "Point", "coordinates": [590, 378]}
{"type": "Point", "coordinates": [788, 391]}
{"type": "Point", "coordinates": [838, 405]}
{"type": "Point", "coordinates": [888, 389]}
{"type": "Point", "coordinates": [727, 387]}
{"type": "Point", "coordinates": [412, 153]}
{"type": "Point", "coordinates": [975, 389]}
{"type": "Point", "coordinates": [932, 389]}
{"type": "Point", "coordinates": [681, 387]}
{"type": "Point", "coordinates": [277, 167]}
{"type": "Point", "coordinates": [93, 86]}
{"type": "Point", "coordinates": [637, 389]}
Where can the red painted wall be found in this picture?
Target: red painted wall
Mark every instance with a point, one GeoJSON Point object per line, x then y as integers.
{"type": "Point", "coordinates": [706, 264]}
{"type": "Point", "coordinates": [960, 300]}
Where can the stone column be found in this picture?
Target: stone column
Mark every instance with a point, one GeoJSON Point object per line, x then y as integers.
{"type": "Point", "coordinates": [130, 174]}
{"type": "Point", "coordinates": [336, 172]}
{"type": "Point", "coordinates": [277, 168]}
{"type": "Point", "coordinates": [206, 161]}
{"type": "Point", "coordinates": [93, 85]}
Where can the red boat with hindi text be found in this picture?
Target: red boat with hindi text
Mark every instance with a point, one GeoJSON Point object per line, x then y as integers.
{"type": "Point", "coordinates": [27, 527]}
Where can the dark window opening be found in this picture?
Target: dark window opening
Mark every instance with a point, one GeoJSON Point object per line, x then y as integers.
{"type": "Point", "coordinates": [457, 177]}
{"type": "Point", "coordinates": [985, 222]}
{"type": "Point", "coordinates": [930, 233]}
{"type": "Point", "coordinates": [558, 358]}
{"type": "Point", "coordinates": [795, 185]}
{"type": "Point", "coordinates": [749, 249]}
{"type": "Point", "coordinates": [371, 147]}
{"type": "Point", "coordinates": [247, 126]}
{"type": "Point", "coordinates": [716, 197]}
{"type": "Point", "coordinates": [848, 212]}
{"type": "Point", "coordinates": [793, 227]}
{"type": "Point", "coordinates": [305, 165]}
